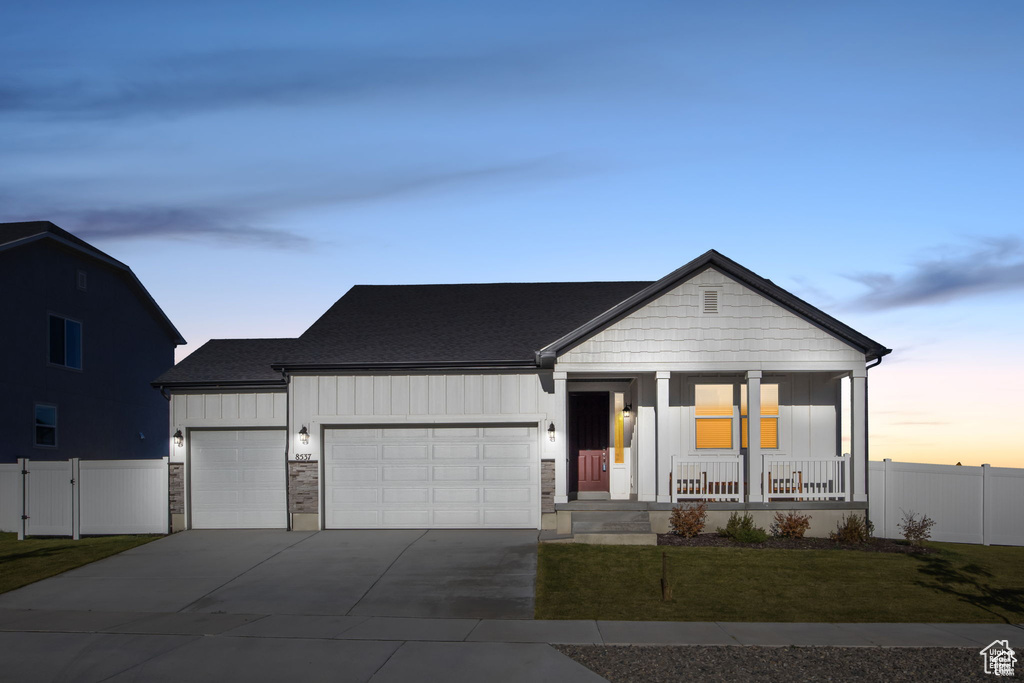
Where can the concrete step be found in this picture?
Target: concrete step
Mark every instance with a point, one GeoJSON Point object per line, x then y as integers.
{"type": "Point", "coordinates": [552, 536]}
{"type": "Point", "coordinates": [617, 539]}
{"type": "Point", "coordinates": [610, 521]}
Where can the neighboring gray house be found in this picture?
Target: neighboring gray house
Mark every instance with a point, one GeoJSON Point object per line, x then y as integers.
{"type": "Point", "coordinates": [82, 339]}
{"type": "Point", "coordinates": [526, 405]}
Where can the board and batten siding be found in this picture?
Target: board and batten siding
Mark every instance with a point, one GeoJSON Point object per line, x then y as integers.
{"type": "Point", "coordinates": [225, 410]}
{"type": "Point", "coordinates": [673, 333]}
{"type": "Point", "coordinates": [420, 399]}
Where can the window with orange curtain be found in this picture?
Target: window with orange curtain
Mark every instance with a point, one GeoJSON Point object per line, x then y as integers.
{"type": "Point", "coordinates": [713, 408]}
{"type": "Point", "coordinates": [769, 415]}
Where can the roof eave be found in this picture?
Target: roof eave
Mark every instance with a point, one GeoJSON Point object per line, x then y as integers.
{"type": "Point", "coordinates": [292, 368]}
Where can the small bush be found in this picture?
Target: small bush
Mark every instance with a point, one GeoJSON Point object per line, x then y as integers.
{"type": "Point", "coordinates": [915, 530]}
{"type": "Point", "coordinates": [688, 521]}
{"type": "Point", "coordinates": [853, 528]}
{"type": "Point", "coordinates": [742, 529]}
{"type": "Point", "coordinates": [790, 525]}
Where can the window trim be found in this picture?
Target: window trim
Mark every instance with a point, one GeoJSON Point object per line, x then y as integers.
{"type": "Point", "coordinates": [723, 381]}
{"type": "Point", "coordinates": [36, 426]}
{"type": "Point", "coordinates": [81, 342]}
{"type": "Point", "coordinates": [784, 416]}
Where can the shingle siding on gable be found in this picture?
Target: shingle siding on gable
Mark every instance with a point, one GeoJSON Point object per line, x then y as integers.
{"type": "Point", "coordinates": [747, 328]}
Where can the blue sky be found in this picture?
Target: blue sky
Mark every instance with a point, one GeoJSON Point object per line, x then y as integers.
{"type": "Point", "coordinates": [252, 161]}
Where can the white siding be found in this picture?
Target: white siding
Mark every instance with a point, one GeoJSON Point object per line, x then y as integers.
{"type": "Point", "coordinates": [218, 410]}
{"type": "Point", "coordinates": [749, 329]}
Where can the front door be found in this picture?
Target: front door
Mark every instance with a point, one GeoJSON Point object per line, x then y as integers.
{"type": "Point", "coordinates": [588, 439]}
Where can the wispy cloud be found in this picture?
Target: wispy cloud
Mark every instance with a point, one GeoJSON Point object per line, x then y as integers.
{"type": "Point", "coordinates": [213, 80]}
{"type": "Point", "coordinates": [994, 264]}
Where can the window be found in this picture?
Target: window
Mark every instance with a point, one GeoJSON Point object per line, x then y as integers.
{"type": "Point", "coordinates": [46, 425]}
{"type": "Point", "coordinates": [769, 415]}
{"type": "Point", "coordinates": [65, 342]}
{"type": "Point", "coordinates": [713, 408]}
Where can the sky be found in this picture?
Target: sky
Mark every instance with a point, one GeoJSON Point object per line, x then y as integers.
{"type": "Point", "coordinates": [252, 161]}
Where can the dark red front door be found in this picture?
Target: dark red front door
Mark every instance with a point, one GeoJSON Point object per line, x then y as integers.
{"type": "Point", "coordinates": [588, 439]}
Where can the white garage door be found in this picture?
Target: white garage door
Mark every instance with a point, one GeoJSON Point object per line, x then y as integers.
{"type": "Point", "coordinates": [238, 479]}
{"type": "Point", "coordinates": [456, 477]}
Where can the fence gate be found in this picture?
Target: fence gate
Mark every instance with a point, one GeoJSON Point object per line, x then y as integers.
{"type": "Point", "coordinates": [50, 498]}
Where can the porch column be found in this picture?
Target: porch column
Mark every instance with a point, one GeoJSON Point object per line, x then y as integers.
{"type": "Point", "coordinates": [647, 434]}
{"type": "Point", "coordinates": [665, 431]}
{"type": "Point", "coordinates": [755, 464]}
{"type": "Point", "coordinates": [561, 445]}
{"type": "Point", "coordinates": [859, 434]}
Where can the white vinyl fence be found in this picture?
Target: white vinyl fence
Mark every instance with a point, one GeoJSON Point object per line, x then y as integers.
{"type": "Point", "coordinates": [969, 504]}
{"type": "Point", "coordinates": [74, 497]}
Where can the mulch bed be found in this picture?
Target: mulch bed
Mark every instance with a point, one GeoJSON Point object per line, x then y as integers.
{"type": "Point", "coordinates": [874, 545]}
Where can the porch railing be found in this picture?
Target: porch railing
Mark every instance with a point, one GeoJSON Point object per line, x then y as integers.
{"type": "Point", "coordinates": [786, 478]}
{"type": "Point", "coordinates": [707, 477]}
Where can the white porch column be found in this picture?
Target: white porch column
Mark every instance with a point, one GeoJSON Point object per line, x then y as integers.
{"type": "Point", "coordinates": [561, 445]}
{"type": "Point", "coordinates": [859, 433]}
{"type": "Point", "coordinates": [755, 464]}
{"type": "Point", "coordinates": [665, 433]}
{"type": "Point", "coordinates": [647, 431]}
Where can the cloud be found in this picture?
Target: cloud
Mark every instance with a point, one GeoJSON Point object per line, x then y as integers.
{"type": "Point", "coordinates": [995, 264]}
{"type": "Point", "coordinates": [214, 80]}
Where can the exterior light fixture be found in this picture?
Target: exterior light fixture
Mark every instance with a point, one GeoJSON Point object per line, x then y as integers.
{"type": "Point", "coordinates": [304, 435]}
{"type": "Point", "coordinates": [627, 411]}
{"type": "Point", "coordinates": [179, 439]}
{"type": "Point", "coordinates": [551, 431]}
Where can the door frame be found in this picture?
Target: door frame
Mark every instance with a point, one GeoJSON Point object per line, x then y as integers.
{"type": "Point", "coordinates": [622, 476]}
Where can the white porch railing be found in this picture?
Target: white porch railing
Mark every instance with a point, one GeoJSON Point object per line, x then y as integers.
{"type": "Point", "coordinates": [786, 478]}
{"type": "Point", "coordinates": [707, 477]}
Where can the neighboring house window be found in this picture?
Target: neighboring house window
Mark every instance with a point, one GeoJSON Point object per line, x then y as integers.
{"type": "Point", "coordinates": [769, 415]}
{"type": "Point", "coordinates": [713, 409]}
{"type": "Point", "coordinates": [46, 425]}
{"type": "Point", "coordinates": [65, 342]}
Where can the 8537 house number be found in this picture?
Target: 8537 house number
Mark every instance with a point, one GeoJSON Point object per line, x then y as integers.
{"type": "Point", "coordinates": [303, 457]}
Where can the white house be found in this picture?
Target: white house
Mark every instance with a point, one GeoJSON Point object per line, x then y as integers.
{"type": "Point", "coordinates": [520, 405]}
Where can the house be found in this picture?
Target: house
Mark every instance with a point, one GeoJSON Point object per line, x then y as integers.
{"type": "Point", "coordinates": [82, 341]}
{"type": "Point", "coordinates": [526, 405]}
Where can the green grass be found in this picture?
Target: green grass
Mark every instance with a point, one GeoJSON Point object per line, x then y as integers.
{"type": "Point", "coordinates": [961, 583]}
{"type": "Point", "coordinates": [34, 559]}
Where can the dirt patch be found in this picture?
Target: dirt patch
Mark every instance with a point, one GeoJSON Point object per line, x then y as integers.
{"type": "Point", "coordinates": [874, 545]}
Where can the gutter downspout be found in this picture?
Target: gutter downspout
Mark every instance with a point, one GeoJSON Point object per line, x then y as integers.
{"type": "Point", "coordinates": [867, 441]}
{"type": "Point", "coordinates": [287, 440]}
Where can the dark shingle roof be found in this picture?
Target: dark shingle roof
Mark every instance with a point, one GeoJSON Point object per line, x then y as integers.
{"type": "Point", "coordinates": [486, 323]}
{"type": "Point", "coordinates": [230, 361]}
{"type": "Point", "coordinates": [14, 235]}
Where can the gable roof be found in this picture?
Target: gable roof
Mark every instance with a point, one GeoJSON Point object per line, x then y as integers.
{"type": "Point", "coordinates": [712, 259]}
{"type": "Point", "coordinates": [15, 235]}
{"type": "Point", "coordinates": [469, 326]}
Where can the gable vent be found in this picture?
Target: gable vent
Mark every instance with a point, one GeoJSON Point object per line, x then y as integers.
{"type": "Point", "coordinates": [711, 301]}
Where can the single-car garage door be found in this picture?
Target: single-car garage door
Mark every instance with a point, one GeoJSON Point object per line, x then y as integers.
{"type": "Point", "coordinates": [432, 477]}
{"type": "Point", "coordinates": [238, 479]}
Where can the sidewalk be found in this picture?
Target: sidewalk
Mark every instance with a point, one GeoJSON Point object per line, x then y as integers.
{"type": "Point", "coordinates": [43, 645]}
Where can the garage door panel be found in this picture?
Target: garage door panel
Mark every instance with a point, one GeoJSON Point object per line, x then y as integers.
{"type": "Point", "coordinates": [457, 477]}
{"type": "Point", "coordinates": [238, 479]}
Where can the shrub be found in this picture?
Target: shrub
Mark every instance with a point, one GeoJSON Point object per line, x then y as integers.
{"type": "Point", "coordinates": [915, 530]}
{"type": "Point", "coordinates": [853, 528]}
{"type": "Point", "coordinates": [742, 529]}
{"type": "Point", "coordinates": [790, 525]}
{"type": "Point", "coordinates": [688, 521]}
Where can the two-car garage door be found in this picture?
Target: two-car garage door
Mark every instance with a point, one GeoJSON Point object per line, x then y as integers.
{"type": "Point", "coordinates": [431, 477]}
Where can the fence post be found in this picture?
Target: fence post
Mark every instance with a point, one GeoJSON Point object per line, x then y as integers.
{"type": "Point", "coordinates": [886, 500]}
{"type": "Point", "coordinates": [76, 499]}
{"type": "Point", "coordinates": [23, 495]}
{"type": "Point", "coordinates": [987, 505]}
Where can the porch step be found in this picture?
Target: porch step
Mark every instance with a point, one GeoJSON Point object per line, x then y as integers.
{"type": "Point", "coordinates": [604, 505]}
{"type": "Point", "coordinates": [614, 538]}
{"type": "Point", "coordinates": [610, 521]}
{"type": "Point", "coordinates": [552, 536]}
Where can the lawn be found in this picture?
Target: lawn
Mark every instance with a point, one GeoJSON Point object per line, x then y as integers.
{"type": "Point", "coordinates": [960, 583]}
{"type": "Point", "coordinates": [28, 561]}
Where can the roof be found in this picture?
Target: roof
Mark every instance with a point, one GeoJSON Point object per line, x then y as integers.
{"type": "Point", "coordinates": [15, 235]}
{"type": "Point", "coordinates": [467, 326]}
{"type": "Point", "coordinates": [230, 362]}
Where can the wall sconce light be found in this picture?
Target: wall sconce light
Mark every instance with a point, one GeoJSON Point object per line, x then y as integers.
{"type": "Point", "coordinates": [551, 431]}
{"type": "Point", "coordinates": [627, 411]}
{"type": "Point", "coordinates": [304, 435]}
{"type": "Point", "coordinates": [179, 439]}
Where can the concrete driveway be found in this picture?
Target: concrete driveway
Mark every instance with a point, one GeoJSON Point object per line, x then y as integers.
{"type": "Point", "coordinates": [442, 574]}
